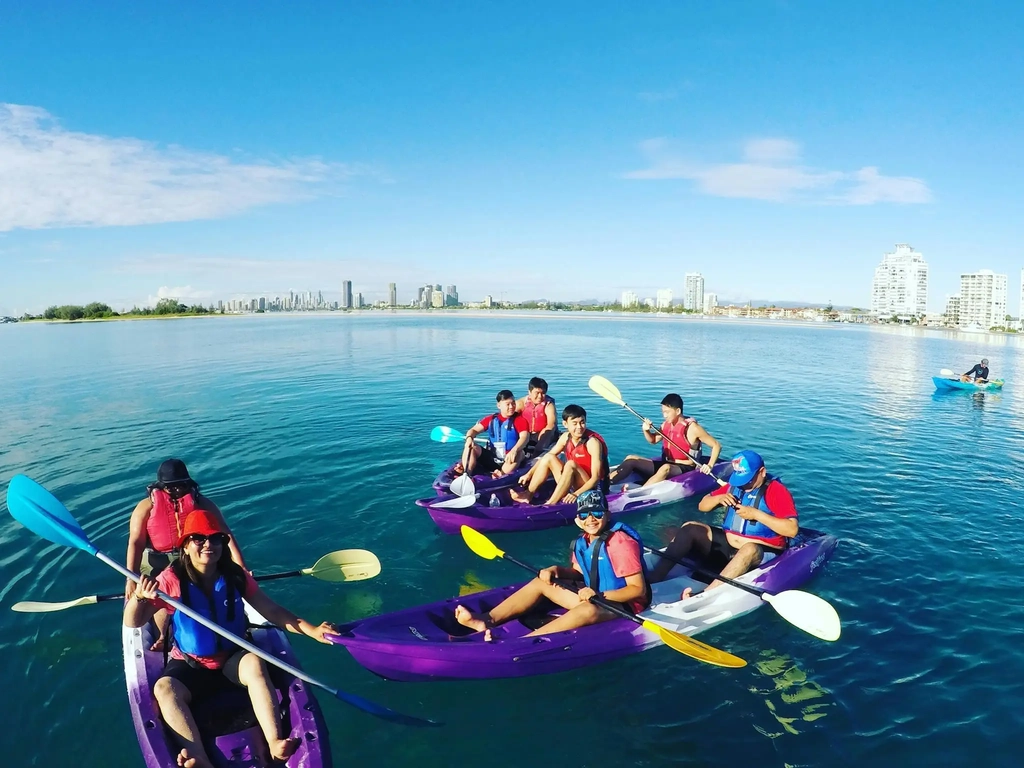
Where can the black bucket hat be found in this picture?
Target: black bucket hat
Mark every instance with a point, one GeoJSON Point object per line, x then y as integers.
{"type": "Point", "coordinates": [173, 472]}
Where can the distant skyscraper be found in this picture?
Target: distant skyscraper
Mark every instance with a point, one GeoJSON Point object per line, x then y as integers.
{"type": "Point", "coordinates": [629, 299]}
{"type": "Point", "coordinates": [951, 316]}
{"type": "Point", "coordinates": [451, 296]}
{"type": "Point", "coordinates": [900, 286]}
{"type": "Point", "coordinates": [664, 298]}
{"type": "Point", "coordinates": [710, 303]}
{"type": "Point", "coordinates": [392, 295]}
{"type": "Point", "coordinates": [693, 293]}
{"type": "Point", "coordinates": [346, 294]}
{"type": "Point", "coordinates": [982, 299]}
{"type": "Point", "coordinates": [488, 301]}
{"type": "Point", "coordinates": [437, 299]}
{"type": "Point", "coordinates": [359, 301]}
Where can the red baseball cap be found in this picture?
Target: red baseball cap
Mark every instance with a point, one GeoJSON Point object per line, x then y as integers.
{"type": "Point", "coordinates": [202, 522]}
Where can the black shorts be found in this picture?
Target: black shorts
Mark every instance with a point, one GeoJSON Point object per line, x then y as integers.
{"type": "Point", "coordinates": [487, 462]}
{"type": "Point", "coordinates": [201, 682]}
{"type": "Point", "coordinates": [722, 551]}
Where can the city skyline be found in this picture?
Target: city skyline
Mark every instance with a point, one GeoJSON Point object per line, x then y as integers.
{"type": "Point", "coordinates": [769, 156]}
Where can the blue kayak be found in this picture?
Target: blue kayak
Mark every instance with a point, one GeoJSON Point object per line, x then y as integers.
{"type": "Point", "coordinates": [970, 386]}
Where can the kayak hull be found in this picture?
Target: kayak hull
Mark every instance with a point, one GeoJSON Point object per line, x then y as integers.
{"type": "Point", "coordinates": [511, 516]}
{"type": "Point", "coordinates": [947, 384]}
{"type": "Point", "coordinates": [231, 740]}
{"type": "Point", "coordinates": [443, 482]}
{"type": "Point", "coordinates": [426, 643]}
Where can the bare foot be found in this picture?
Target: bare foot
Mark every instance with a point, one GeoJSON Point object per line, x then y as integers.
{"type": "Point", "coordinates": [687, 594]}
{"type": "Point", "coordinates": [158, 645]}
{"type": "Point", "coordinates": [487, 636]}
{"type": "Point", "coordinates": [282, 749]}
{"type": "Point", "coordinates": [523, 497]}
{"type": "Point", "coordinates": [475, 621]}
{"type": "Point", "coordinates": [497, 473]}
{"type": "Point", "coordinates": [186, 761]}
{"type": "Point", "coordinates": [625, 487]}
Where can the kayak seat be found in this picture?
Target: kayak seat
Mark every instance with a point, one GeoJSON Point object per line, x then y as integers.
{"type": "Point", "coordinates": [230, 711]}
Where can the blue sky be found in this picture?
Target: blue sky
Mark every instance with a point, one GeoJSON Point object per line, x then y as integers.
{"type": "Point", "coordinates": [560, 150]}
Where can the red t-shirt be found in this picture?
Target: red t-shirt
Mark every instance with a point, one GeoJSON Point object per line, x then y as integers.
{"type": "Point", "coordinates": [519, 424]}
{"type": "Point", "coordinates": [624, 555]}
{"type": "Point", "coordinates": [776, 496]}
{"type": "Point", "coordinates": [169, 583]}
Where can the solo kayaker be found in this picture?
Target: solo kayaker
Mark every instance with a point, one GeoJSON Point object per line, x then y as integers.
{"type": "Point", "coordinates": [507, 435]}
{"type": "Point", "coordinates": [979, 372]}
{"type": "Point", "coordinates": [585, 466]}
{"type": "Point", "coordinates": [538, 408]}
{"type": "Point", "coordinates": [156, 525]}
{"type": "Point", "coordinates": [760, 519]}
{"type": "Point", "coordinates": [684, 432]}
{"type": "Point", "coordinates": [607, 561]}
{"type": "Point", "coordinates": [206, 578]}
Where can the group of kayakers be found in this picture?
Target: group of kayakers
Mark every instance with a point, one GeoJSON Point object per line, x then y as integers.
{"type": "Point", "coordinates": [181, 545]}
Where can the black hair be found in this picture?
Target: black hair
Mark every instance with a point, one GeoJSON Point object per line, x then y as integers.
{"type": "Point", "coordinates": [226, 566]}
{"type": "Point", "coordinates": [538, 383]}
{"type": "Point", "coordinates": [672, 400]}
{"type": "Point", "coordinates": [505, 394]}
{"type": "Point", "coordinates": [572, 411]}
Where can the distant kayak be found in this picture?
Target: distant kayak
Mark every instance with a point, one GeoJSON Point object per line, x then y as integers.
{"type": "Point", "coordinates": [426, 643]}
{"type": "Point", "coordinates": [509, 515]}
{"type": "Point", "coordinates": [970, 386]}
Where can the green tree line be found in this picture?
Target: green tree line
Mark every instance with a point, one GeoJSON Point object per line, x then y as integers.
{"type": "Point", "coordinates": [97, 310]}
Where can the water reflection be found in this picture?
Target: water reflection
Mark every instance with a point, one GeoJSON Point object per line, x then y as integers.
{"type": "Point", "coordinates": [894, 368]}
{"type": "Point", "coordinates": [791, 698]}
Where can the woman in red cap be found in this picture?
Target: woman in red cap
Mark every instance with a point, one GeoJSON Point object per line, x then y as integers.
{"type": "Point", "coordinates": [208, 580]}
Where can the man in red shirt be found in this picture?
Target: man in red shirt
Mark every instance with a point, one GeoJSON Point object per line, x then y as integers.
{"type": "Point", "coordinates": [760, 519]}
{"type": "Point", "coordinates": [507, 435]}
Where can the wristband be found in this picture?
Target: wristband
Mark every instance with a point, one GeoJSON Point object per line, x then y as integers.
{"type": "Point", "coordinates": [142, 599]}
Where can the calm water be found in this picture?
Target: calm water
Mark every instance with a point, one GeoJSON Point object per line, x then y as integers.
{"type": "Point", "coordinates": [311, 433]}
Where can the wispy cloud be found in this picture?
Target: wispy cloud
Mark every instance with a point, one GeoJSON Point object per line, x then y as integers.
{"type": "Point", "coordinates": [53, 177]}
{"type": "Point", "coordinates": [182, 294]}
{"type": "Point", "coordinates": [771, 170]}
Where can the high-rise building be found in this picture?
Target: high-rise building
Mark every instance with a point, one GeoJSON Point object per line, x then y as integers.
{"type": "Point", "coordinates": [346, 294]}
{"type": "Point", "coordinates": [451, 296]}
{"type": "Point", "coordinates": [629, 299]}
{"type": "Point", "coordinates": [982, 299]}
{"type": "Point", "coordinates": [359, 301]}
{"type": "Point", "coordinates": [392, 295]}
{"type": "Point", "coordinates": [693, 295]}
{"type": "Point", "coordinates": [900, 286]}
{"type": "Point", "coordinates": [488, 301]}
{"type": "Point", "coordinates": [951, 317]}
{"type": "Point", "coordinates": [664, 299]}
{"type": "Point", "coordinates": [710, 303]}
{"type": "Point", "coordinates": [437, 299]}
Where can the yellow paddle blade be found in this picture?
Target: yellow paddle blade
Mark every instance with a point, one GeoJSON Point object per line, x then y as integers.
{"type": "Point", "coordinates": [480, 544]}
{"type": "Point", "coordinates": [695, 649]}
{"type": "Point", "coordinates": [345, 565]}
{"type": "Point", "coordinates": [606, 389]}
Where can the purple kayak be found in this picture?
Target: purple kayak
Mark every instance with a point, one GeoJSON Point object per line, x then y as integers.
{"type": "Point", "coordinates": [443, 482]}
{"type": "Point", "coordinates": [450, 514]}
{"type": "Point", "coordinates": [426, 643]}
{"type": "Point", "coordinates": [231, 735]}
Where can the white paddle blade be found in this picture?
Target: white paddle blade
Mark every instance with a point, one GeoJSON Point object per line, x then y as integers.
{"type": "Point", "coordinates": [34, 607]}
{"type": "Point", "coordinates": [459, 502]}
{"type": "Point", "coordinates": [606, 389]}
{"type": "Point", "coordinates": [810, 613]}
{"type": "Point", "coordinates": [947, 373]}
{"type": "Point", "coordinates": [463, 485]}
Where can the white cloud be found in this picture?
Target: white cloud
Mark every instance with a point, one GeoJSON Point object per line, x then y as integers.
{"type": "Point", "coordinates": [773, 172]}
{"type": "Point", "coordinates": [53, 177]}
{"type": "Point", "coordinates": [184, 294]}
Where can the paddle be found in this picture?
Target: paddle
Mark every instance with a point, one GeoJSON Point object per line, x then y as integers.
{"type": "Point", "coordinates": [463, 485]}
{"type": "Point", "coordinates": [449, 435]}
{"type": "Point", "coordinates": [459, 502]}
{"type": "Point", "coordinates": [687, 646]}
{"type": "Point", "coordinates": [811, 613]}
{"type": "Point", "coordinates": [948, 373]}
{"type": "Point", "coordinates": [343, 565]}
{"type": "Point", "coordinates": [610, 392]}
{"type": "Point", "coordinates": [39, 511]}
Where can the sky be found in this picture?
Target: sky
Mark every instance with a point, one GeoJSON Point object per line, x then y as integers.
{"type": "Point", "coordinates": [525, 150]}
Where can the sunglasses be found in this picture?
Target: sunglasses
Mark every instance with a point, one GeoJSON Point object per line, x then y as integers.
{"type": "Point", "coordinates": [597, 513]}
{"type": "Point", "coordinates": [217, 538]}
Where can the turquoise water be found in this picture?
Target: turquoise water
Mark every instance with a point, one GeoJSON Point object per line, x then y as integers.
{"type": "Point", "coordinates": [311, 434]}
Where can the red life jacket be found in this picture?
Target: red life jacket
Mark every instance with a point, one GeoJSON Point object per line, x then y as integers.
{"type": "Point", "coordinates": [534, 414]}
{"type": "Point", "coordinates": [580, 454]}
{"type": "Point", "coordinates": [677, 434]}
{"type": "Point", "coordinates": [167, 520]}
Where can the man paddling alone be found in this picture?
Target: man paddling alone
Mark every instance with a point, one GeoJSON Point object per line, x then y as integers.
{"type": "Point", "coordinates": [979, 372]}
{"type": "Point", "coordinates": [607, 561]}
{"type": "Point", "coordinates": [760, 519]}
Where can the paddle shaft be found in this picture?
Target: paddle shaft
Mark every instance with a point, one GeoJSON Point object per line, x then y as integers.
{"type": "Point", "coordinates": [707, 572]}
{"type": "Point", "coordinates": [606, 604]}
{"type": "Point", "coordinates": [670, 441]}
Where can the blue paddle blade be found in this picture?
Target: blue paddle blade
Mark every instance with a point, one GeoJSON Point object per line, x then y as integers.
{"type": "Point", "coordinates": [39, 510]}
{"type": "Point", "coordinates": [383, 712]}
{"type": "Point", "coordinates": [446, 435]}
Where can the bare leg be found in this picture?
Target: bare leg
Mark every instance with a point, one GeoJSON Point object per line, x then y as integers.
{"type": "Point", "coordinates": [572, 476]}
{"type": "Point", "coordinates": [545, 467]}
{"type": "Point", "coordinates": [172, 699]}
{"type": "Point", "coordinates": [580, 615]}
{"type": "Point", "coordinates": [692, 537]}
{"type": "Point", "coordinates": [249, 670]}
{"type": "Point", "coordinates": [746, 558]}
{"type": "Point", "coordinates": [516, 604]}
{"type": "Point", "coordinates": [469, 457]}
{"type": "Point", "coordinates": [632, 463]}
{"type": "Point", "coordinates": [162, 620]}
{"type": "Point", "coordinates": [665, 471]}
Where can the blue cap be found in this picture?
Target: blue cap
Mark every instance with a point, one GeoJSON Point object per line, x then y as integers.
{"type": "Point", "coordinates": [590, 500]}
{"type": "Point", "coordinates": [745, 465]}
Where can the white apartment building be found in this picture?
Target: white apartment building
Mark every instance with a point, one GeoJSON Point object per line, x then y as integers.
{"type": "Point", "coordinates": [900, 286]}
{"type": "Point", "coordinates": [952, 314]}
{"type": "Point", "coordinates": [710, 303]}
{"type": "Point", "coordinates": [629, 299]}
{"type": "Point", "coordinates": [982, 299]}
{"type": "Point", "coordinates": [693, 294]}
{"type": "Point", "coordinates": [664, 299]}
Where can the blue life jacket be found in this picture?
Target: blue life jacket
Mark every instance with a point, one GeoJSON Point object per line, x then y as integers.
{"type": "Point", "coordinates": [752, 498]}
{"type": "Point", "coordinates": [594, 562]}
{"type": "Point", "coordinates": [224, 608]}
{"type": "Point", "coordinates": [503, 433]}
